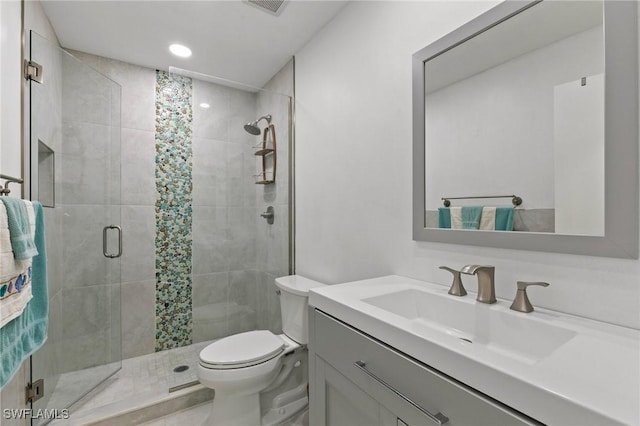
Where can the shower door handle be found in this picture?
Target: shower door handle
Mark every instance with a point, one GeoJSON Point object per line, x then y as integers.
{"type": "Point", "coordinates": [105, 230]}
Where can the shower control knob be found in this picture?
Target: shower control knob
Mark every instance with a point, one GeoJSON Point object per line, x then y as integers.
{"type": "Point", "coordinates": [268, 215]}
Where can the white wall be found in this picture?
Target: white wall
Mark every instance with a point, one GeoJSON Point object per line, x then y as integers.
{"type": "Point", "coordinates": [353, 170]}
{"type": "Point", "coordinates": [10, 70]}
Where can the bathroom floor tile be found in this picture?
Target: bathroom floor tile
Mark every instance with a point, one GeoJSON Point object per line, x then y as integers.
{"type": "Point", "coordinates": [193, 416]}
{"type": "Point", "coordinates": [196, 415]}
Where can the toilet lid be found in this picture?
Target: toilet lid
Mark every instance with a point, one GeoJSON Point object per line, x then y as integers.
{"type": "Point", "coordinates": [242, 350]}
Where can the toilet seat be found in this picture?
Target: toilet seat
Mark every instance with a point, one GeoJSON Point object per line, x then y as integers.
{"type": "Point", "coordinates": [242, 350]}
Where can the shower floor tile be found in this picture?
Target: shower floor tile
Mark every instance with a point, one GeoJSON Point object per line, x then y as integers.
{"type": "Point", "coordinates": [140, 379]}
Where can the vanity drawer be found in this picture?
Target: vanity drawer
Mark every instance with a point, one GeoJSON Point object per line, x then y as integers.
{"type": "Point", "coordinates": [406, 387]}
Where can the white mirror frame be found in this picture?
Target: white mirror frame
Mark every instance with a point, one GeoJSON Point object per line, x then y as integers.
{"type": "Point", "coordinates": [621, 142]}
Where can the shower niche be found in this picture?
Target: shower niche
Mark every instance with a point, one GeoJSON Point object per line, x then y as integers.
{"type": "Point", "coordinates": [46, 175]}
{"type": "Point", "coordinates": [267, 150]}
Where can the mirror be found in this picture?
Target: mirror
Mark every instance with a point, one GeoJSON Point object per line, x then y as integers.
{"type": "Point", "coordinates": [521, 139]}
{"type": "Point", "coordinates": [519, 109]}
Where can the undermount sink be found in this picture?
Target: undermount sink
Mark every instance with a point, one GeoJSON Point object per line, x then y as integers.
{"type": "Point", "coordinates": [515, 335]}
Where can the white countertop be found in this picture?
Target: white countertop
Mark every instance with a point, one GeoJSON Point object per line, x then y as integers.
{"type": "Point", "coordinates": [593, 378]}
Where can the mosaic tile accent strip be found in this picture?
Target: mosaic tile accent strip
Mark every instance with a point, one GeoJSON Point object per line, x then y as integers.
{"type": "Point", "coordinates": [174, 325]}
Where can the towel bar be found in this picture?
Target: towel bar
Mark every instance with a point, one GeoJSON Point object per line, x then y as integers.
{"type": "Point", "coordinates": [8, 179]}
{"type": "Point", "coordinates": [514, 199]}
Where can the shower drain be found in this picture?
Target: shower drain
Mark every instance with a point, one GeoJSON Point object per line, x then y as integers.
{"type": "Point", "coordinates": [181, 368]}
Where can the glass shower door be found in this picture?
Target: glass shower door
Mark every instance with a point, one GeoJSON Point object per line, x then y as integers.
{"type": "Point", "coordinates": [75, 114]}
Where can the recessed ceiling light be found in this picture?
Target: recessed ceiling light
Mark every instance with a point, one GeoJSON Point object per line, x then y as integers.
{"type": "Point", "coordinates": [180, 50]}
{"type": "Point", "coordinates": [204, 105]}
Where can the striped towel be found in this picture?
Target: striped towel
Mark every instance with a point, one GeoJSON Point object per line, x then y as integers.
{"type": "Point", "coordinates": [488, 219]}
{"type": "Point", "coordinates": [467, 217]}
{"type": "Point", "coordinates": [24, 335]}
{"type": "Point", "coordinates": [491, 218]}
{"type": "Point", "coordinates": [15, 274]}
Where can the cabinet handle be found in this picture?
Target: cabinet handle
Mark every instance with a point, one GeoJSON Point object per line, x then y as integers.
{"type": "Point", "coordinates": [438, 418]}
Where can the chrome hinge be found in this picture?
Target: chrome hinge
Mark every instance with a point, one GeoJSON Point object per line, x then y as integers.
{"type": "Point", "coordinates": [33, 71]}
{"type": "Point", "coordinates": [35, 391]}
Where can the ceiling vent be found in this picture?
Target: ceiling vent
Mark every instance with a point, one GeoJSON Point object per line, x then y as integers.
{"type": "Point", "coordinates": [274, 7]}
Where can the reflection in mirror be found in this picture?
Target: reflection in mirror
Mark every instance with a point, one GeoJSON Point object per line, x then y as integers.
{"type": "Point", "coordinates": [519, 109]}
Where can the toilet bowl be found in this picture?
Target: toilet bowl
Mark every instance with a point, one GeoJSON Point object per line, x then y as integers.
{"type": "Point", "coordinates": [241, 366]}
{"type": "Point", "coordinates": [244, 363]}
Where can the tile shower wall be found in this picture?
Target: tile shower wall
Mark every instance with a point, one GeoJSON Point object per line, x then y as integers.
{"type": "Point", "coordinates": [86, 183]}
{"type": "Point", "coordinates": [88, 190]}
{"type": "Point", "coordinates": [235, 254]}
{"type": "Point", "coordinates": [138, 200]}
{"type": "Point", "coordinates": [173, 211]}
{"type": "Point", "coordinates": [224, 278]}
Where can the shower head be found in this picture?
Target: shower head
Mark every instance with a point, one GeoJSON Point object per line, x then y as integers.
{"type": "Point", "coordinates": [253, 127]}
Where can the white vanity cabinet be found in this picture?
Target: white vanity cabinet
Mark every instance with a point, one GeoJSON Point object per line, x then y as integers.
{"type": "Point", "coordinates": [357, 380]}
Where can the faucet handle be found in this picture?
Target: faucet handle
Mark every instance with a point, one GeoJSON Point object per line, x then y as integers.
{"type": "Point", "coordinates": [457, 289]}
{"type": "Point", "coordinates": [521, 302]}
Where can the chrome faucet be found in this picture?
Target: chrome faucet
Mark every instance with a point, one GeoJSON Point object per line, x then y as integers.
{"type": "Point", "coordinates": [486, 284]}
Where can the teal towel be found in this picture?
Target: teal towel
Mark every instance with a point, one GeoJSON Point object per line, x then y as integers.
{"type": "Point", "coordinates": [19, 230]}
{"type": "Point", "coordinates": [504, 218]}
{"type": "Point", "coordinates": [24, 335]}
{"type": "Point", "coordinates": [471, 217]}
{"type": "Point", "coordinates": [444, 217]}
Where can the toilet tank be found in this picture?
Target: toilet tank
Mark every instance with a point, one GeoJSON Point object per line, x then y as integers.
{"type": "Point", "coordinates": [294, 300]}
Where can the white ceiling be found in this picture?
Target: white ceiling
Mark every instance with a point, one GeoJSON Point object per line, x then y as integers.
{"type": "Point", "coordinates": [541, 25]}
{"type": "Point", "coordinates": [229, 39]}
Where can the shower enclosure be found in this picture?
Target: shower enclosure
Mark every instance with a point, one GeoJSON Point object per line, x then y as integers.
{"type": "Point", "coordinates": [204, 234]}
{"type": "Point", "coordinates": [74, 152]}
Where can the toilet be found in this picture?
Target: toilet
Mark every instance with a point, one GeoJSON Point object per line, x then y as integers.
{"type": "Point", "coordinates": [241, 366]}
